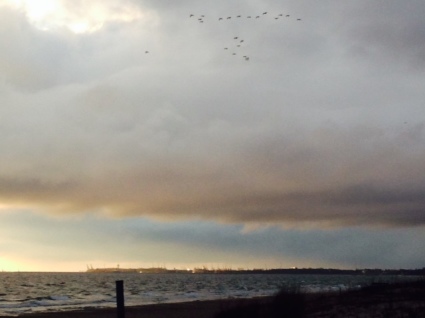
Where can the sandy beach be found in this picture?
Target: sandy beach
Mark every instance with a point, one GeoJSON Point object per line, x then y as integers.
{"type": "Point", "coordinates": [379, 300]}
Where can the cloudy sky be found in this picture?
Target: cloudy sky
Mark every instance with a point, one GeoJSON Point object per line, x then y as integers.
{"type": "Point", "coordinates": [176, 133]}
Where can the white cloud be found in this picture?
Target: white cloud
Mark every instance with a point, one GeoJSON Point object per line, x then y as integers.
{"type": "Point", "coordinates": [77, 16]}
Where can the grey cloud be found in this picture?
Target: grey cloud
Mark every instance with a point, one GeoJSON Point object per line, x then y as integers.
{"type": "Point", "coordinates": [300, 134]}
{"type": "Point", "coordinates": [22, 60]}
{"type": "Point", "coordinates": [386, 31]}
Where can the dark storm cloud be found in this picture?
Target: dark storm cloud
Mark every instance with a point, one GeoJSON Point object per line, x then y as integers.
{"type": "Point", "coordinates": [280, 182]}
{"type": "Point", "coordinates": [28, 187]}
{"type": "Point", "coordinates": [146, 242]}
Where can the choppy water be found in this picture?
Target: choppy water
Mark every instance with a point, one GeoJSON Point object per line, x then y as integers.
{"type": "Point", "coordinates": [42, 292]}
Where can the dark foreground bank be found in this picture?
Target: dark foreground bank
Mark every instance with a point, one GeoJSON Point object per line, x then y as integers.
{"type": "Point", "coordinates": [378, 300]}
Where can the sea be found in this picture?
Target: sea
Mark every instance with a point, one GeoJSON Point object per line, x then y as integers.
{"type": "Point", "coordinates": [23, 292]}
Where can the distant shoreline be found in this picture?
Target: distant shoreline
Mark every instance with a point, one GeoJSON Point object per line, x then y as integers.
{"type": "Point", "coordinates": [293, 271]}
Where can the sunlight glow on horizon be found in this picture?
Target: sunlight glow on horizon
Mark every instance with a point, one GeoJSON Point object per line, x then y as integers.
{"type": "Point", "coordinates": [9, 266]}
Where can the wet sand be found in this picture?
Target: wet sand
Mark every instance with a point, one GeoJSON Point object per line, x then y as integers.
{"type": "Point", "coordinates": [195, 309]}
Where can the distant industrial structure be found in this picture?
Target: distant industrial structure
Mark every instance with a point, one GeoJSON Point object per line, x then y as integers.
{"type": "Point", "coordinates": [292, 271]}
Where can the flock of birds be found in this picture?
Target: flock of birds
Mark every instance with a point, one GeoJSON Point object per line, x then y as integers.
{"type": "Point", "coordinates": [280, 15]}
{"type": "Point", "coordinates": [238, 42]}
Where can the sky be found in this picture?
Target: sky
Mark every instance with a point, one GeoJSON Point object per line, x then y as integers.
{"type": "Point", "coordinates": [241, 134]}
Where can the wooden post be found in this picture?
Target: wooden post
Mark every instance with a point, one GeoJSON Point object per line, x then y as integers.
{"type": "Point", "coordinates": [120, 299]}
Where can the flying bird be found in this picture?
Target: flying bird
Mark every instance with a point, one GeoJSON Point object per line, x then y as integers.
{"type": "Point", "coordinates": [191, 16]}
{"type": "Point", "coordinates": [220, 19]}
